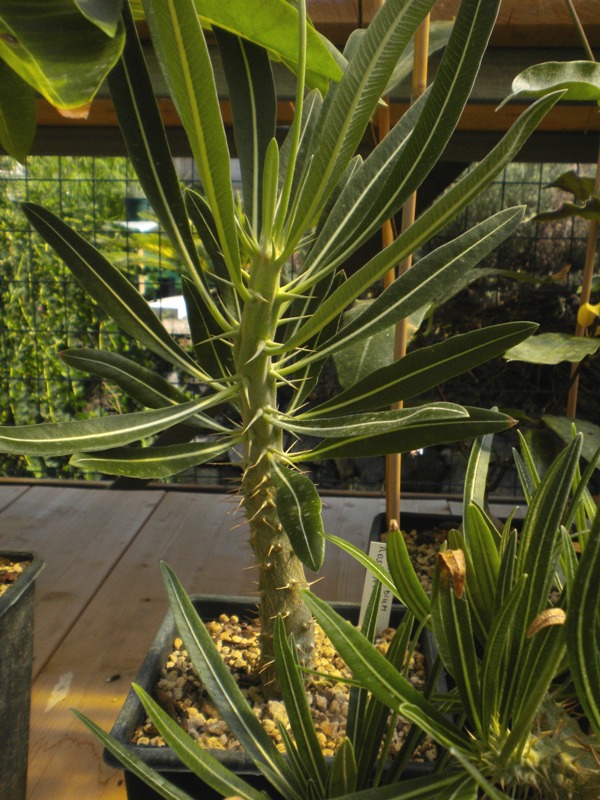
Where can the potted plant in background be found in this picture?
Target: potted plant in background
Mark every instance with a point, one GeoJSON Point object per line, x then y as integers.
{"type": "Point", "coordinates": [267, 313]}
{"type": "Point", "coordinates": [18, 572]}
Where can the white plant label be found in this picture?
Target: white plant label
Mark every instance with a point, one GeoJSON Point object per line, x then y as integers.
{"type": "Point", "coordinates": [377, 551]}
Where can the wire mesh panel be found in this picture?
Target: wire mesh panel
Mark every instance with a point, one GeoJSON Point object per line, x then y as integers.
{"type": "Point", "coordinates": [535, 275]}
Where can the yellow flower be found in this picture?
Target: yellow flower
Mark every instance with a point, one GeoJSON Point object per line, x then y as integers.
{"type": "Point", "coordinates": [588, 314]}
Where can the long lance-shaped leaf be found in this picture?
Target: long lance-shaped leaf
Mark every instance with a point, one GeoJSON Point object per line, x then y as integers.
{"type": "Point", "coordinates": [430, 278]}
{"type": "Point", "coordinates": [453, 633]}
{"type": "Point", "coordinates": [490, 790]}
{"type": "Point", "coordinates": [344, 770]}
{"type": "Point", "coordinates": [476, 476]}
{"type": "Point", "coordinates": [59, 51]}
{"type": "Point", "coordinates": [410, 438]}
{"type": "Point", "coordinates": [370, 424]}
{"type": "Point", "coordinates": [163, 787]}
{"type": "Point", "coordinates": [382, 187]}
{"type": "Point", "coordinates": [299, 510]}
{"type": "Point", "coordinates": [254, 109]}
{"type": "Point", "coordinates": [294, 697]}
{"type": "Point", "coordinates": [582, 628]}
{"type": "Point", "coordinates": [408, 585]}
{"type": "Point", "coordinates": [199, 761]}
{"type": "Point", "coordinates": [496, 662]}
{"type": "Point", "coordinates": [181, 47]}
{"type": "Point", "coordinates": [350, 104]}
{"type": "Point", "coordinates": [483, 560]}
{"type": "Point", "coordinates": [211, 351]}
{"type": "Point", "coordinates": [86, 435]}
{"type": "Point", "coordinates": [144, 133]}
{"type": "Point", "coordinates": [366, 561]}
{"type": "Point", "coordinates": [422, 370]}
{"type": "Point", "coordinates": [109, 287]}
{"type": "Point", "coordinates": [373, 670]}
{"type": "Point", "coordinates": [153, 462]}
{"type": "Point", "coordinates": [144, 385]}
{"type": "Point", "coordinates": [223, 689]}
{"type": "Point", "coordinates": [430, 787]}
{"type": "Point", "coordinates": [439, 214]}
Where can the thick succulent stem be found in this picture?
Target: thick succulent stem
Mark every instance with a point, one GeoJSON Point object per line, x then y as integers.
{"type": "Point", "coordinates": [281, 575]}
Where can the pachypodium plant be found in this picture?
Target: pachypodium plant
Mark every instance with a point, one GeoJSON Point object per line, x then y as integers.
{"type": "Point", "coordinates": [268, 312]}
{"type": "Point", "coordinates": [515, 619]}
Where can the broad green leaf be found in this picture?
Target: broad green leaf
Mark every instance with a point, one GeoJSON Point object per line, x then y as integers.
{"type": "Point", "coordinates": [369, 424]}
{"type": "Point", "coordinates": [142, 128]}
{"type": "Point", "coordinates": [135, 764]}
{"type": "Point", "coordinates": [580, 79]}
{"type": "Point", "coordinates": [428, 280]}
{"type": "Point", "coordinates": [299, 511]}
{"type": "Point", "coordinates": [103, 13]}
{"type": "Point", "coordinates": [343, 774]}
{"type": "Point", "coordinates": [108, 286]}
{"type": "Point", "coordinates": [293, 692]}
{"type": "Point", "coordinates": [372, 669]}
{"type": "Point", "coordinates": [17, 114]}
{"type": "Point", "coordinates": [97, 433]}
{"type": "Point", "coordinates": [582, 628]}
{"type": "Point", "coordinates": [590, 209]}
{"type": "Point", "coordinates": [426, 368]}
{"type": "Point", "coordinates": [385, 181]}
{"type": "Point", "coordinates": [273, 24]}
{"type": "Point", "coordinates": [441, 212]}
{"type": "Point", "coordinates": [221, 686]}
{"type": "Point", "coordinates": [552, 348]}
{"type": "Point", "coordinates": [67, 67]}
{"type": "Point", "coordinates": [153, 462]}
{"type": "Point", "coordinates": [408, 586]}
{"type": "Point", "coordinates": [183, 53]}
{"type": "Point", "coordinates": [580, 186]}
{"type": "Point", "coordinates": [563, 427]}
{"type": "Point", "coordinates": [211, 771]}
{"type": "Point", "coordinates": [410, 438]}
{"type": "Point", "coordinates": [349, 105]}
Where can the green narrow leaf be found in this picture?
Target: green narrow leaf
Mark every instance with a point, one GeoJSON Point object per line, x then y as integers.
{"type": "Point", "coordinates": [408, 585]}
{"type": "Point", "coordinates": [153, 462]}
{"type": "Point", "coordinates": [212, 353]}
{"type": "Point", "coordinates": [440, 213]}
{"type": "Point", "coordinates": [482, 547]}
{"type": "Point", "coordinates": [294, 697]}
{"type": "Point", "coordinates": [17, 114]}
{"type": "Point", "coordinates": [343, 774]}
{"type": "Point", "coordinates": [180, 44]}
{"type": "Point", "coordinates": [376, 673]}
{"type": "Point", "coordinates": [254, 108]}
{"type": "Point", "coordinates": [475, 483]}
{"type": "Point", "coordinates": [133, 763]}
{"type": "Point", "coordinates": [431, 277]}
{"type": "Point", "coordinates": [108, 286]}
{"type": "Point", "coordinates": [199, 761]}
{"type": "Point", "coordinates": [581, 79]}
{"type": "Point", "coordinates": [142, 128]}
{"type": "Point", "coordinates": [582, 628]}
{"type": "Point", "coordinates": [491, 791]}
{"type": "Point", "coordinates": [98, 433]}
{"type": "Point", "coordinates": [425, 369]}
{"type": "Point", "coordinates": [222, 688]}
{"type": "Point", "coordinates": [410, 438]}
{"type": "Point", "coordinates": [367, 562]}
{"type": "Point", "coordinates": [299, 510]}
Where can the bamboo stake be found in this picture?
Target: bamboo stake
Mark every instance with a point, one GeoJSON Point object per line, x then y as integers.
{"type": "Point", "coordinates": [419, 84]}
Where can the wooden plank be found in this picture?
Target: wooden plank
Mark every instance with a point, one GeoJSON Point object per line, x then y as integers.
{"type": "Point", "coordinates": [80, 533]}
{"type": "Point", "coordinates": [8, 495]}
{"type": "Point", "coordinates": [197, 535]}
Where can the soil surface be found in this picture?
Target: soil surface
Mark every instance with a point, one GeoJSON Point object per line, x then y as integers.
{"type": "Point", "coordinates": [9, 572]}
{"type": "Point", "coordinates": [180, 691]}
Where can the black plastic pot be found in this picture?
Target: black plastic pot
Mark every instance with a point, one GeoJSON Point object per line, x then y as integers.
{"type": "Point", "coordinates": [16, 658]}
{"type": "Point", "coordinates": [163, 759]}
